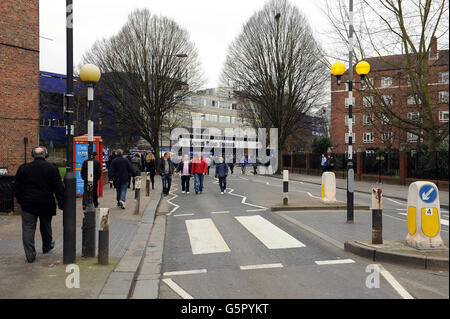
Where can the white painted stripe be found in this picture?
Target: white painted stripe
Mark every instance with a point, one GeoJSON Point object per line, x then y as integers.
{"type": "Point", "coordinates": [185, 272]}
{"type": "Point", "coordinates": [404, 214]}
{"type": "Point", "coordinates": [205, 237]}
{"type": "Point", "coordinates": [261, 266]}
{"type": "Point", "coordinates": [394, 201]}
{"type": "Point", "coordinates": [183, 215]}
{"type": "Point", "coordinates": [444, 222]}
{"type": "Point", "coordinates": [394, 283]}
{"type": "Point", "coordinates": [335, 262]}
{"type": "Point", "coordinates": [269, 234]}
{"type": "Point", "coordinates": [180, 291]}
{"type": "Point", "coordinates": [401, 209]}
{"type": "Point", "coordinates": [244, 198]}
{"type": "Point", "coordinates": [221, 212]}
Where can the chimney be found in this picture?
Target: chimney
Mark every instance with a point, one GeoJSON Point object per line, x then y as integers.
{"type": "Point", "coordinates": [433, 49]}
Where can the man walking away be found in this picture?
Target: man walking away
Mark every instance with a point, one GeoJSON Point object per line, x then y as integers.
{"type": "Point", "coordinates": [208, 161]}
{"type": "Point", "coordinates": [97, 175]}
{"type": "Point", "coordinates": [184, 169]}
{"type": "Point", "coordinates": [166, 169]}
{"type": "Point", "coordinates": [221, 173]}
{"type": "Point", "coordinates": [323, 163]}
{"type": "Point", "coordinates": [119, 174]}
{"type": "Point", "coordinates": [199, 168]}
{"type": "Point", "coordinates": [231, 164]}
{"type": "Point", "coordinates": [243, 162]}
{"type": "Point", "coordinates": [136, 162]}
{"type": "Point", "coordinates": [36, 185]}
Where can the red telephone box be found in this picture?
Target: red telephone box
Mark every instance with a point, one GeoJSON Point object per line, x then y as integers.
{"type": "Point", "coordinates": [80, 154]}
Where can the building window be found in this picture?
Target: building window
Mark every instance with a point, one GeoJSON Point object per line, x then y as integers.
{"type": "Point", "coordinates": [368, 83]}
{"type": "Point", "coordinates": [443, 77]}
{"type": "Point", "coordinates": [59, 123]}
{"type": "Point", "coordinates": [412, 137]}
{"type": "Point", "coordinates": [443, 116]}
{"type": "Point", "coordinates": [385, 120]}
{"type": "Point", "coordinates": [367, 119]}
{"type": "Point", "coordinates": [386, 81]}
{"type": "Point", "coordinates": [387, 100]}
{"type": "Point", "coordinates": [213, 103]}
{"type": "Point", "coordinates": [443, 97]}
{"type": "Point", "coordinates": [368, 137]}
{"type": "Point", "coordinates": [346, 120]}
{"type": "Point", "coordinates": [224, 119]}
{"type": "Point", "coordinates": [367, 101]}
{"type": "Point", "coordinates": [387, 137]}
{"type": "Point", "coordinates": [44, 122]}
{"type": "Point", "coordinates": [414, 116]}
{"type": "Point", "coordinates": [353, 138]}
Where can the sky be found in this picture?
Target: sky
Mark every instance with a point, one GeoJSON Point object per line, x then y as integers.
{"type": "Point", "coordinates": [212, 25]}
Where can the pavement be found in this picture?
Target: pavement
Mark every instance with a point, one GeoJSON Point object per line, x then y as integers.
{"type": "Point", "coordinates": [46, 277]}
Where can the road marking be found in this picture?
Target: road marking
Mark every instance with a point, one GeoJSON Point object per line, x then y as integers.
{"type": "Point", "coordinates": [185, 272]}
{"type": "Point", "coordinates": [183, 215]}
{"type": "Point", "coordinates": [205, 237]}
{"type": "Point", "coordinates": [244, 198]}
{"type": "Point", "coordinates": [335, 262]}
{"type": "Point", "coordinates": [394, 283]}
{"type": "Point", "coordinates": [269, 234]}
{"type": "Point", "coordinates": [170, 201]}
{"type": "Point", "coordinates": [404, 214]}
{"type": "Point", "coordinates": [261, 266]}
{"type": "Point", "coordinates": [180, 291]}
{"type": "Point", "coordinates": [221, 212]}
{"type": "Point", "coordinates": [394, 201]}
{"type": "Point", "coordinates": [444, 222]}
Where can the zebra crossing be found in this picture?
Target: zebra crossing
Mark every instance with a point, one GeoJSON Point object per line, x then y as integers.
{"type": "Point", "coordinates": [205, 238]}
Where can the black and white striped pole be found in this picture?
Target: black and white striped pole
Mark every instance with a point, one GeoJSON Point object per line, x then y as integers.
{"type": "Point", "coordinates": [338, 69]}
{"type": "Point", "coordinates": [90, 74]}
{"type": "Point", "coordinates": [285, 186]}
{"type": "Point", "coordinates": [377, 217]}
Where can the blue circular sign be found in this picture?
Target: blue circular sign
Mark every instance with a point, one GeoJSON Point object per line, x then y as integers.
{"type": "Point", "coordinates": [428, 193]}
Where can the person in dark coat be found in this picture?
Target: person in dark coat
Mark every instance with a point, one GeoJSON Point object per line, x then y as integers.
{"type": "Point", "coordinates": [36, 185]}
{"type": "Point", "coordinates": [150, 166]}
{"type": "Point", "coordinates": [330, 162]}
{"type": "Point", "coordinates": [184, 169]}
{"type": "Point", "coordinates": [222, 173]}
{"type": "Point", "coordinates": [119, 175]}
{"type": "Point", "coordinates": [97, 176]}
{"type": "Point", "coordinates": [166, 169]}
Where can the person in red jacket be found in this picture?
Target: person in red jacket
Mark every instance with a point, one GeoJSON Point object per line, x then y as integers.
{"type": "Point", "coordinates": [199, 169]}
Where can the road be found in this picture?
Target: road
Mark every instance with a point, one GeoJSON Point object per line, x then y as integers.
{"type": "Point", "coordinates": [231, 246]}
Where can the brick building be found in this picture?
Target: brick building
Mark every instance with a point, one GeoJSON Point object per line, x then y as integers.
{"type": "Point", "coordinates": [19, 81]}
{"type": "Point", "coordinates": [392, 80]}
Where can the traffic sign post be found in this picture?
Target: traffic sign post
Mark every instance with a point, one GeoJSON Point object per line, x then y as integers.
{"type": "Point", "coordinates": [424, 216]}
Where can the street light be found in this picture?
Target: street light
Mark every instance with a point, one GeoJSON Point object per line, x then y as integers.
{"type": "Point", "coordinates": [90, 74]}
{"type": "Point", "coordinates": [178, 55]}
{"type": "Point", "coordinates": [338, 70]}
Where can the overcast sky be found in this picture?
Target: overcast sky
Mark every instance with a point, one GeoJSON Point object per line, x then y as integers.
{"type": "Point", "coordinates": [212, 25]}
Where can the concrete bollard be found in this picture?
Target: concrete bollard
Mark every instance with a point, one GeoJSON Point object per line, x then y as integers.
{"type": "Point", "coordinates": [147, 185]}
{"type": "Point", "coordinates": [328, 187]}
{"type": "Point", "coordinates": [377, 217]}
{"type": "Point", "coordinates": [424, 212]}
{"type": "Point", "coordinates": [137, 193]}
{"type": "Point", "coordinates": [103, 237]}
{"type": "Point", "coordinates": [285, 186]}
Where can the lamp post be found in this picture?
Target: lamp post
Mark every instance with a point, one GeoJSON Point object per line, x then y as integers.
{"type": "Point", "coordinates": [338, 69]}
{"type": "Point", "coordinates": [90, 74]}
{"type": "Point", "coordinates": [179, 55]}
{"type": "Point", "coordinates": [69, 209]}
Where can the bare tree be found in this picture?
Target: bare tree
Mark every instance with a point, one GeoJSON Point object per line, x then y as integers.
{"type": "Point", "coordinates": [275, 67]}
{"type": "Point", "coordinates": [143, 78]}
{"type": "Point", "coordinates": [398, 35]}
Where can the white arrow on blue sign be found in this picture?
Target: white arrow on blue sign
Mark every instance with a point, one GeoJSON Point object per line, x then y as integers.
{"type": "Point", "coordinates": [428, 193]}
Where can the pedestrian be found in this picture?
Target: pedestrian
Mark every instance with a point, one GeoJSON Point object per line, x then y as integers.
{"type": "Point", "coordinates": [199, 168]}
{"type": "Point", "coordinates": [208, 161]}
{"type": "Point", "coordinates": [255, 166]}
{"type": "Point", "coordinates": [150, 166]}
{"type": "Point", "coordinates": [136, 162]}
{"type": "Point", "coordinates": [166, 169]}
{"type": "Point", "coordinates": [242, 163]}
{"type": "Point", "coordinates": [110, 159]}
{"type": "Point", "coordinates": [231, 164]}
{"type": "Point", "coordinates": [323, 163]}
{"type": "Point", "coordinates": [97, 176]}
{"type": "Point", "coordinates": [36, 185]}
{"type": "Point", "coordinates": [221, 173]}
{"type": "Point", "coordinates": [330, 162]}
{"type": "Point", "coordinates": [120, 173]}
{"type": "Point", "coordinates": [184, 170]}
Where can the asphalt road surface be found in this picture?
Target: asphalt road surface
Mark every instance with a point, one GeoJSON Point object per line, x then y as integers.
{"type": "Point", "coordinates": [232, 246]}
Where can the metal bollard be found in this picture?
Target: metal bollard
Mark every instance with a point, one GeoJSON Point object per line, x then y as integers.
{"type": "Point", "coordinates": [285, 186]}
{"type": "Point", "coordinates": [377, 219]}
{"type": "Point", "coordinates": [103, 237]}
{"type": "Point", "coordinates": [147, 185]}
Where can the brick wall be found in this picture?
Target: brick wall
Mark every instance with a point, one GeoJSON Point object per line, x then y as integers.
{"type": "Point", "coordinates": [19, 80]}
